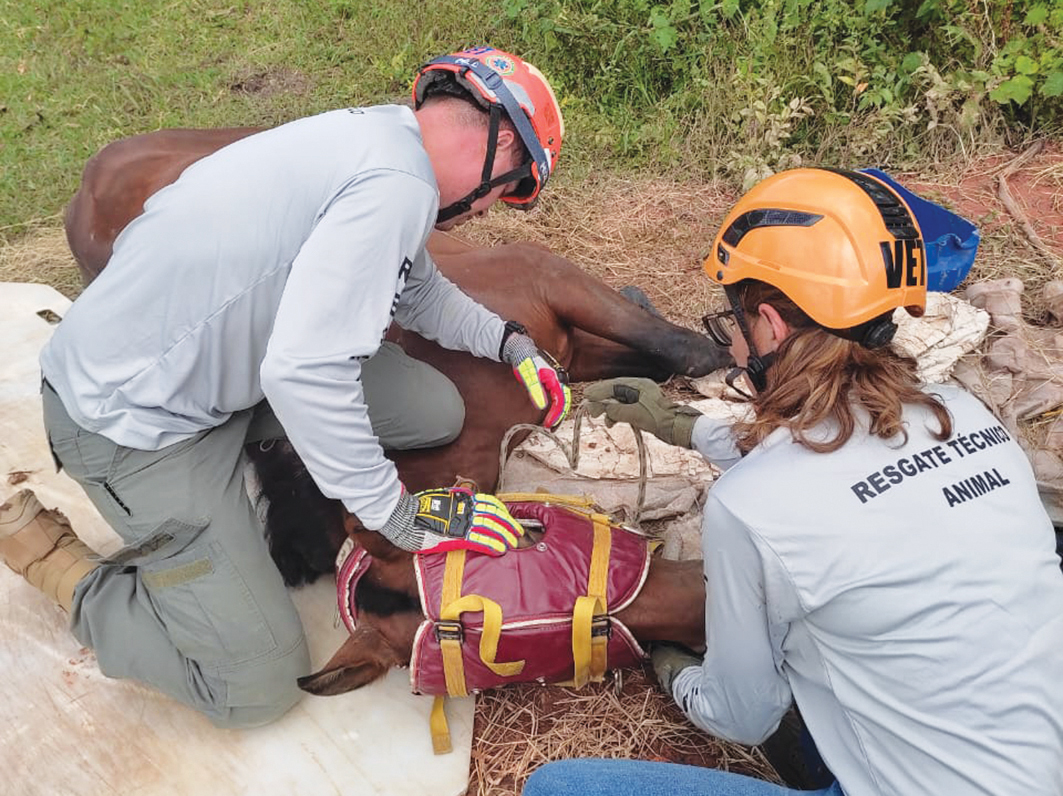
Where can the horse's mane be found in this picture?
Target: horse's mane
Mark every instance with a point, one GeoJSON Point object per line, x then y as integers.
{"type": "Point", "coordinates": [304, 529]}
{"type": "Point", "coordinates": [374, 598]}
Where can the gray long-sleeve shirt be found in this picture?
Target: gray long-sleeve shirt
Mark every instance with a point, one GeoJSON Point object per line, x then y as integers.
{"type": "Point", "coordinates": [907, 596]}
{"type": "Point", "coordinates": [270, 269]}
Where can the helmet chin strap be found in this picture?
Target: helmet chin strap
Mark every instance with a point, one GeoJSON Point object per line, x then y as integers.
{"type": "Point", "coordinates": [487, 184]}
{"type": "Point", "coordinates": [756, 369]}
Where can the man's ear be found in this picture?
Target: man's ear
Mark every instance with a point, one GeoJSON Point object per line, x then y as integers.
{"type": "Point", "coordinates": [507, 141]}
{"type": "Point", "coordinates": [780, 329]}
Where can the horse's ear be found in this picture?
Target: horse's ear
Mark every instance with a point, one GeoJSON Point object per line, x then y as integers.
{"type": "Point", "coordinates": [364, 657]}
{"type": "Point", "coordinates": [330, 682]}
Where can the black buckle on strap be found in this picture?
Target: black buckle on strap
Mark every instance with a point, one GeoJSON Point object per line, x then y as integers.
{"type": "Point", "coordinates": [449, 630]}
{"type": "Point", "coordinates": [601, 626]}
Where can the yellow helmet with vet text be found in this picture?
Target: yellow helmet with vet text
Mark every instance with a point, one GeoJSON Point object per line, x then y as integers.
{"type": "Point", "coordinates": [842, 245]}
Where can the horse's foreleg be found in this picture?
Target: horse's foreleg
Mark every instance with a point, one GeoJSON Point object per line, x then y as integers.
{"type": "Point", "coordinates": [584, 303]}
{"type": "Point", "coordinates": [596, 358]}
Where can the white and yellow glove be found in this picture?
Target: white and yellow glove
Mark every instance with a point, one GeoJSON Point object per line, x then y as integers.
{"type": "Point", "coordinates": [452, 518]}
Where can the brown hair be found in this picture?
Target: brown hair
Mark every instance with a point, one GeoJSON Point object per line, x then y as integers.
{"type": "Point", "coordinates": [818, 376]}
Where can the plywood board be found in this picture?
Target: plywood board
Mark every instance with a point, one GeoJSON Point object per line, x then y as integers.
{"type": "Point", "coordinates": [66, 729]}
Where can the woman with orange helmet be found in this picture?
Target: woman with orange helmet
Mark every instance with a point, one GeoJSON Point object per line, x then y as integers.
{"type": "Point", "coordinates": [875, 552]}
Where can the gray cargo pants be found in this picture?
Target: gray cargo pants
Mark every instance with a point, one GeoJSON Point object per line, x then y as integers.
{"type": "Point", "coordinates": [193, 605]}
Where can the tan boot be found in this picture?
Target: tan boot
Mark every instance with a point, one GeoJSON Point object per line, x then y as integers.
{"type": "Point", "coordinates": [40, 546]}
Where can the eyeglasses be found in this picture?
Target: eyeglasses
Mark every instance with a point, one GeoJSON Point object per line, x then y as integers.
{"type": "Point", "coordinates": [720, 326]}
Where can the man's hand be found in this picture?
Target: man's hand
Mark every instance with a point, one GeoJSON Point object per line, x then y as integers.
{"type": "Point", "coordinates": [438, 520]}
{"type": "Point", "coordinates": [539, 373]}
{"type": "Point", "coordinates": [641, 404]}
{"type": "Point", "coordinates": [669, 660]}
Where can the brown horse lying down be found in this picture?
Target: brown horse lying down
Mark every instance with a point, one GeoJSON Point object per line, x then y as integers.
{"type": "Point", "coordinates": [593, 331]}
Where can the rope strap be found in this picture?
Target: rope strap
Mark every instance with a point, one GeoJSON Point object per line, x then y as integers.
{"type": "Point", "coordinates": [572, 455]}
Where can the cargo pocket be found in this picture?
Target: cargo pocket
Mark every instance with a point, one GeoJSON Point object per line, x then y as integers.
{"type": "Point", "coordinates": [201, 599]}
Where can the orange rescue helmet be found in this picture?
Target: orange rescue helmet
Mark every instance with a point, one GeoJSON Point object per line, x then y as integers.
{"type": "Point", "coordinates": [498, 80]}
{"type": "Point", "coordinates": [842, 245]}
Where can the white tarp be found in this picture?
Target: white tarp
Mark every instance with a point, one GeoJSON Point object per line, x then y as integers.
{"type": "Point", "coordinates": [1021, 377]}
{"type": "Point", "coordinates": [950, 328]}
{"type": "Point", "coordinates": [66, 729]}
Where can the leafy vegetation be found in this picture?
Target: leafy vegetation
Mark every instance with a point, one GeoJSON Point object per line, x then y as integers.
{"type": "Point", "coordinates": [751, 86]}
{"type": "Point", "coordinates": [732, 88]}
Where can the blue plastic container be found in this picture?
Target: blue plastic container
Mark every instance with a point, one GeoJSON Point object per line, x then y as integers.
{"type": "Point", "coordinates": [951, 241]}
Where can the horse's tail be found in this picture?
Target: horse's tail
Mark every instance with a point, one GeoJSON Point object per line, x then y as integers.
{"type": "Point", "coordinates": [304, 529]}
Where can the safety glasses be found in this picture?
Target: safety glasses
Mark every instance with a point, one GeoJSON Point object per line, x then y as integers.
{"type": "Point", "coordinates": [720, 326]}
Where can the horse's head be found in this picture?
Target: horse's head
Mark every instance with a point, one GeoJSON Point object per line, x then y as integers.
{"type": "Point", "coordinates": [380, 606]}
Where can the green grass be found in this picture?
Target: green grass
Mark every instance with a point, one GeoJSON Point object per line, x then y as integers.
{"type": "Point", "coordinates": [732, 89]}
{"type": "Point", "coordinates": [76, 74]}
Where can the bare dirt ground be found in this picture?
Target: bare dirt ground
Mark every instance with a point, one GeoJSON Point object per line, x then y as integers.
{"type": "Point", "coordinates": [654, 233]}
{"type": "Point", "coordinates": [1037, 185]}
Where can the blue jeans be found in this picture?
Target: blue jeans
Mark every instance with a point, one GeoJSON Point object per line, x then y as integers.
{"type": "Point", "coordinates": [642, 778]}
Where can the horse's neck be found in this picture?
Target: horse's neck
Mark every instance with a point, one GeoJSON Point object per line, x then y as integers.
{"type": "Point", "coordinates": [445, 244]}
{"type": "Point", "coordinates": [671, 605]}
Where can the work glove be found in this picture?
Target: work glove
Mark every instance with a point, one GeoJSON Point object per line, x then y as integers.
{"type": "Point", "coordinates": [540, 374]}
{"type": "Point", "coordinates": [641, 404]}
{"type": "Point", "coordinates": [452, 518]}
{"type": "Point", "coordinates": [669, 660]}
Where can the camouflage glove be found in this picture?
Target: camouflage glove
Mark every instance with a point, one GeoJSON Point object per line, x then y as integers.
{"type": "Point", "coordinates": [669, 660]}
{"type": "Point", "coordinates": [641, 404]}
{"type": "Point", "coordinates": [438, 520]}
{"type": "Point", "coordinates": [540, 374]}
